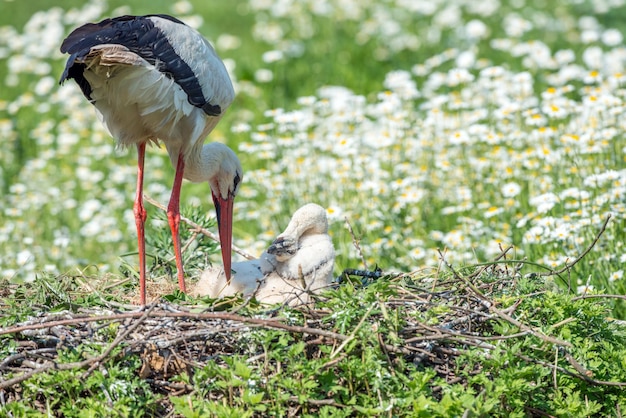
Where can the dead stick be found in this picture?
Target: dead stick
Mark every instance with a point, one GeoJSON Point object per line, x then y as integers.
{"type": "Point", "coordinates": [582, 255]}
{"type": "Point", "coordinates": [200, 229]}
{"type": "Point", "coordinates": [92, 362]}
{"type": "Point", "coordinates": [491, 306]}
{"type": "Point", "coordinates": [49, 366]}
{"type": "Point", "coordinates": [586, 296]}
{"type": "Point", "coordinates": [355, 242]}
{"type": "Point", "coordinates": [571, 373]}
{"type": "Point", "coordinates": [118, 340]}
{"type": "Point", "coordinates": [198, 316]}
{"type": "Point", "coordinates": [480, 271]}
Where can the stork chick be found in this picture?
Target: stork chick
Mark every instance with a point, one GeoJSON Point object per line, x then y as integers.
{"type": "Point", "coordinates": [299, 262]}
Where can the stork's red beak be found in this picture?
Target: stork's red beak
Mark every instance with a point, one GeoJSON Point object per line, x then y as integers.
{"type": "Point", "coordinates": [224, 209]}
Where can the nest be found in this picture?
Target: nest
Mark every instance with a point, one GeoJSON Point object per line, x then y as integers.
{"type": "Point", "coordinates": [441, 318]}
{"type": "Point", "coordinates": [171, 339]}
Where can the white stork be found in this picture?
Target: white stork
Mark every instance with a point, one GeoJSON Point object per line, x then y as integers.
{"type": "Point", "coordinates": [299, 261]}
{"type": "Point", "coordinates": [154, 78]}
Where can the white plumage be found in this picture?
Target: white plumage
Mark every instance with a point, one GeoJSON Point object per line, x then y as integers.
{"type": "Point", "coordinates": [299, 262]}
{"type": "Point", "coordinates": [154, 78]}
{"type": "Point", "coordinates": [127, 88]}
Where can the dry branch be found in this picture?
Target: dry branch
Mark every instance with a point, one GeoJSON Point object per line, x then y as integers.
{"type": "Point", "coordinates": [582, 255]}
{"type": "Point", "coordinates": [200, 229]}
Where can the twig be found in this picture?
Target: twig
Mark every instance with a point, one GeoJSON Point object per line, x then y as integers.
{"type": "Point", "coordinates": [576, 365]}
{"type": "Point", "coordinates": [502, 314]}
{"type": "Point", "coordinates": [538, 412]}
{"type": "Point", "coordinates": [587, 296]}
{"type": "Point", "coordinates": [15, 357]}
{"type": "Point", "coordinates": [582, 255]}
{"type": "Point", "coordinates": [531, 330]}
{"type": "Point", "coordinates": [349, 338]}
{"type": "Point", "coordinates": [49, 366]}
{"type": "Point", "coordinates": [355, 242]}
{"type": "Point", "coordinates": [318, 402]}
{"type": "Point", "coordinates": [555, 381]}
{"type": "Point", "coordinates": [200, 229]}
{"type": "Point", "coordinates": [267, 323]}
{"type": "Point", "coordinates": [563, 322]}
{"type": "Point", "coordinates": [248, 298]}
{"type": "Point", "coordinates": [179, 386]}
{"type": "Point", "coordinates": [487, 265]}
{"type": "Point", "coordinates": [571, 373]}
{"type": "Point", "coordinates": [92, 362]}
{"type": "Point", "coordinates": [118, 340]}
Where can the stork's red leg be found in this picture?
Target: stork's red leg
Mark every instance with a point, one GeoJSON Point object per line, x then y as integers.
{"type": "Point", "coordinates": [173, 216]}
{"type": "Point", "coordinates": [140, 219]}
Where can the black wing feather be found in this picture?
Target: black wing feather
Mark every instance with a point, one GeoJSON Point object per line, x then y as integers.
{"type": "Point", "coordinates": [142, 37]}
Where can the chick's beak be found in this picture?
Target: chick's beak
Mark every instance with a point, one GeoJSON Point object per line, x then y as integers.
{"type": "Point", "coordinates": [224, 209]}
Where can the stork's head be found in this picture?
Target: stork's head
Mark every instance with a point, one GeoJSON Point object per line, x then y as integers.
{"type": "Point", "coordinates": [226, 177]}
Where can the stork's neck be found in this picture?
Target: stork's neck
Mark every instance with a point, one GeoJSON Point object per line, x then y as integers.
{"type": "Point", "coordinates": [201, 164]}
{"type": "Point", "coordinates": [307, 221]}
{"type": "Point", "coordinates": [214, 163]}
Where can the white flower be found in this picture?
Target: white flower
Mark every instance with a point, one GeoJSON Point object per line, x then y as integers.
{"type": "Point", "coordinates": [612, 37]}
{"type": "Point", "coordinates": [534, 235]}
{"type": "Point", "coordinates": [23, 257]}
{"type": "Point", "coordinates": [8, 273]}
{"type": "Point", "coordinates": [400, 82]}
{"type": "Point", "coordinates": [50, 268]}
{"type": "Point", "coordinates": [410, 195]}
{"type": "Point", "coordinates": [511, 189]}
{"type": "Point", "coordinates": [263, 75]}
{"type": "Point", "coordinates": [195, 21]}
{"type": "Point", "coordinates": [593, 57]}
{"type": "Point", "coordinates": [564, 56]}
{"type": "Point", "coordinates": [562, 232]}
{"type": "Point", "coordinates": [181, 7]}
{"type": "Point", "coordinates": [459, 138]}
{"type": "Point", "coordinates": [544, 202]}
{"type": "Point", "coordinates": [466, 59]}
{"type": "Point", "coordinates": [91, 228]}
{"type": "Point", "coordinates": [272, 56]}
{"type": "Point", "coordinates": [44, 86]}
{"type": "Point", "coordinates": [335, 213]}
{"type": "Point", "coordinates": [616, 275]}
{"type": "Point", "coordinates": [589, 36]}
{"type": "Point", "coordinates": [515, 26]}
{"type": "Point", "coordinates": [493, 211]}
{"type": "Point", "coordinates": [241, 127]}
{"type": "Point", "coordinates": [306, 101]}
{"type": "Point", "coordinates": [61, 241]}
{"type": "Point", "coordinates": [458, 76]}
{"type": "Point", "coordinates": [476, 29]}
{"type": "Point", "coordinates": [226, 42]}
{"type": "Point", "coordinates": [417, 253]}
{"type": "Point", "coordinates": [89, 208]}
{"type": "Point", "coordinates": [18, 189]}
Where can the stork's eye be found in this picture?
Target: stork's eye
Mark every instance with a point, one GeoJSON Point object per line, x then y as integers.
{"type": "Point", "coordinates": [236, 180]}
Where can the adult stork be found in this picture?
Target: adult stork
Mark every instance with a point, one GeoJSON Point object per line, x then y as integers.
{"type": "Point", "coordinates": [154, 78]}
{"type": "Point", "coordinates": [299, 261]}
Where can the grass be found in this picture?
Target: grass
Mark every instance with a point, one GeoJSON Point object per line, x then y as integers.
{"type": "Point", "coordinates": [488, 341]}
{"type": "Point", "coordinates": [422, 128]}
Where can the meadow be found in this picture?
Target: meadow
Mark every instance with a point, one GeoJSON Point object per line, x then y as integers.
{"type": "Point", "coordinates": [429, 130]}
{"type": "Point", "coordinates": [426, 126]}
